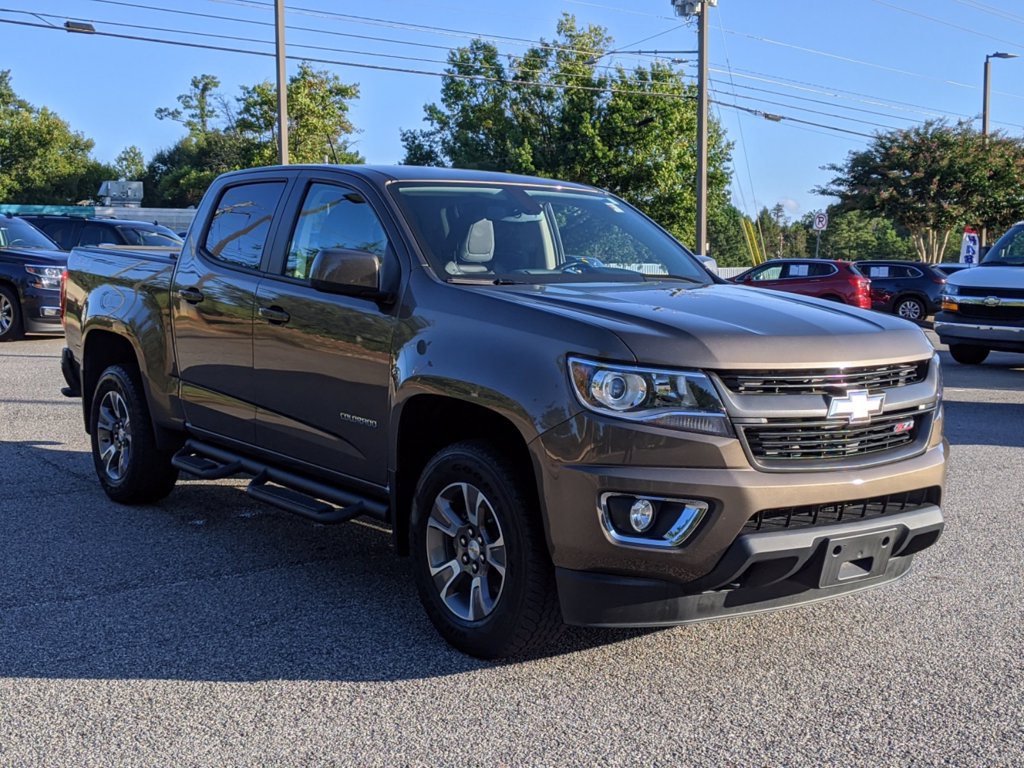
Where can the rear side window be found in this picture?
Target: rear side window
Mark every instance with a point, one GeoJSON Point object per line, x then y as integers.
{"type": "Point", "coordinates": [97, 234]}
{"type": "Point", "coordinates": [241, 223]}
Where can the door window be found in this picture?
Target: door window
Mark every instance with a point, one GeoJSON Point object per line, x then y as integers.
{"type": "Point", "coordinates": [773, 272]}
{"type": "Point", "coordinates": [241, 223]}
{"type": "Point", "coordinates": [333, 217]}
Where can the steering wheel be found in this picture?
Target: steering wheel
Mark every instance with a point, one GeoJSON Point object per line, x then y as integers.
{"type": "Point", "coordinates": [581, 265]}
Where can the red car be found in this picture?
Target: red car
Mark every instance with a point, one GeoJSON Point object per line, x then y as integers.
{"type": "Point", "coordinates": [824, 278]}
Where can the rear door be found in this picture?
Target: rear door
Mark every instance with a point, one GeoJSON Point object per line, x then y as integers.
{"type": "Point", "coordinates": [213, 301]}
{"type": "Point", "coordinates": [323, 361]}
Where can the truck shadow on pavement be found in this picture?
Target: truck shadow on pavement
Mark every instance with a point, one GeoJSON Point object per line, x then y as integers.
{"type": "Point", "coordinates": [208, 585]}
{"type": "Point", "coordinates": [1003, 422]}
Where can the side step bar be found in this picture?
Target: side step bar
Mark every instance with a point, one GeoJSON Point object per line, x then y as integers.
{"type": "Point", "coordinates": [285, 490]}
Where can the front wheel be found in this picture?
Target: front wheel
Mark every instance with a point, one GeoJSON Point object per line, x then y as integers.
{"type": "Point", "coordinates": [11, 325]}
{"type": "Point", "coordinates": [480, 562]}
{"type": "Point", "coordinates": [131, 469]}
{"type": "Point", "coordinates": [968, 354]}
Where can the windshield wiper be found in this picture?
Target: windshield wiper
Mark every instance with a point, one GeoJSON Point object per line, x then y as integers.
{"type": "Point", "coordinates": [683, 278]}
{"type": "Point", "coordinates": [482, 281]}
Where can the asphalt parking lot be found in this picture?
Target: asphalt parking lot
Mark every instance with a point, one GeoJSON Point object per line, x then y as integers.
{"type": "Point", "coordinates": [212, 630]}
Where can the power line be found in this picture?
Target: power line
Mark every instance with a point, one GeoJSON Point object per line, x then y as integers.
{"type": "Point", "coordinates": [973, 4]}
{"type": "Point", "coordinates": [808, 110]}
{"type": "Point", "coordinates": [958, 27]}
{"type": "Point", "coordinates": [357, 19]}
{"type": "Point", "coordinates": [456, 75]}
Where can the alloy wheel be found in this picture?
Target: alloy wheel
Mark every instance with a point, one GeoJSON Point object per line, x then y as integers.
{"type": "Point", "coordinates": [466, 551]}
{"type": "Point", "coordinates": [114, 435]}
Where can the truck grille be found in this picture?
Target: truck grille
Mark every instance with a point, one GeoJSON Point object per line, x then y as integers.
{"type": "Point", "coordinates": [824, 381]}
{"type": "Point", "coordinates": [1000, 314]}
{"type": "Point", "coordinates": [1004, 293]}
{"type": "Point", "coordinates": [842, 511]}
{"type": "Point", "coordinates": [819, 439]}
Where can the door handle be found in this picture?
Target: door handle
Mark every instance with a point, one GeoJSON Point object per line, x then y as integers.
{"type": "Point", "coordinates": [191, 295]}
{"type": "Point", "coordinates": [274, 315]}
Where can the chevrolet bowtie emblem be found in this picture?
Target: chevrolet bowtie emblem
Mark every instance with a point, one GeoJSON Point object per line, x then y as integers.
{"type": "Point", "coordinates": [857, 405]}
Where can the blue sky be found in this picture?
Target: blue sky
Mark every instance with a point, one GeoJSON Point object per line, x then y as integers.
{"type": "Point", "coordinates": [856, 65]}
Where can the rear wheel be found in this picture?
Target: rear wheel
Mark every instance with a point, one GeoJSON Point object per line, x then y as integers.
{"type": "Point", "coordinates": [968, 354]}
{"type": "Point", "coordinates": [481, 565]}
{"type": "Point", "coordinates": [910, 308]}
{"type": "Point", "coordinates": [11, 324]}
{"type": "Point", "coordinates": [131, 469]}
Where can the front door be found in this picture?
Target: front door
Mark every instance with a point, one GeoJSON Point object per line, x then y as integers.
{"type": "Point", "coordinates": [322, 361]}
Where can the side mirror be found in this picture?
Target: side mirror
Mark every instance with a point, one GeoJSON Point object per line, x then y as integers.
{"type": "Point", "coordinates": [348, 273]}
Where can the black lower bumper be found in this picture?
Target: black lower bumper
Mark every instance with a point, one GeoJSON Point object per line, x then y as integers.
{"type": "Point", "coordinates": [760, 572]}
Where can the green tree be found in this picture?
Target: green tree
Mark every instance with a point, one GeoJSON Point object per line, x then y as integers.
{"type": "Point", "coordinates": [197, 110]}
{"type": "Point", "coordinates": [855, 235]}
{"type": "Point", "coordinates": [933, 179]}
{"type": "Point", "coordinates": [42, 159]}
{"type": "Point", "coordinates": [319, 129]}
{"type": "Point", "coordinates": [130, 164]}
{"type": "Point", "coordinates": [552, 112]}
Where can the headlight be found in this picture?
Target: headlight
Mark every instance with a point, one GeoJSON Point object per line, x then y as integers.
{"type": "Point", "coordinates": [45, 277]}
{"type": "Point", "coordinates": [684, 400]}
{"type": "Point", "coordinates": [951, 290]}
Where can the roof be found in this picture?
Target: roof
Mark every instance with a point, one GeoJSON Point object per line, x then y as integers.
{"type": "Point", "coordinates": [386, 173]}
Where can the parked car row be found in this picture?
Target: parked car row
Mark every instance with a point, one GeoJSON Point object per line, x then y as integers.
{"type": "Point", "coordinates": [911, 290]}
{"type": "Point", "coordinates": [71, 231]}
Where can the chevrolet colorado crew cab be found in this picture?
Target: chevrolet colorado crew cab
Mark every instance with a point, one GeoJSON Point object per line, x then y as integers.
{"type": "Point", "coordinates": [560, 414]}
{"type": "Point", "coordinates": [983, 307]}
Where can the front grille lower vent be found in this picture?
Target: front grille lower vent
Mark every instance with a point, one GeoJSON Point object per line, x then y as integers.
{"type": "Point", "coordinates": [821, 439]}
{"type": "Point", "coordinates": [824, 381]}
{"type": "Point", "coordinates": [841, 512]}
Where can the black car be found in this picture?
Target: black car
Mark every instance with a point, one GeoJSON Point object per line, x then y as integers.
{"type": "Point", "coordinates": [910, 289]}
{"type": "Point", "coordinates": [31, 267]}
{"type": "Point", "coordinates": [69, 231]}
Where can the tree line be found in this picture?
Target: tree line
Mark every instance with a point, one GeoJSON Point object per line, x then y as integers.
{"type": "Point", "coordinates": [554, 111]}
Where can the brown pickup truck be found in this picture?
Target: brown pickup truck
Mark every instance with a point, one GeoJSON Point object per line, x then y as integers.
{"type": "Point", "coordinates": [560, 413]}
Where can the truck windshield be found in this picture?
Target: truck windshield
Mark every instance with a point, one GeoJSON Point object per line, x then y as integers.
{"type": "Point", "coordinates": [1008, 249]}
{"type": "Point", "coordinates": [505, 233]}
{"type": "Point", "coordinates": [20, 234]}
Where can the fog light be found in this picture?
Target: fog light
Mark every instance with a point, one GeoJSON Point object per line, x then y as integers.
{"type": "Point", "coordinates": [641, 515]}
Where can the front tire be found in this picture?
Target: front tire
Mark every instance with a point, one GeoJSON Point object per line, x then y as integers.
{"type": "Point", "coordinates": [968, 354]}
{"type": "Point", "coordinates": [131, 469]}
{"type": "Point", "coordinates": [480, 561]}
{"type": "Point", "coordinates": [11, 323]}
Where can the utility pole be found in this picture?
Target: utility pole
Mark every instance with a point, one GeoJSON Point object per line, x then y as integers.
{"type": "Point", "coordinates": [984, 112]}
{"type": "Point", "coordinates": [699, 8]}
{"type": "Point", "coordinates": [282, 85]}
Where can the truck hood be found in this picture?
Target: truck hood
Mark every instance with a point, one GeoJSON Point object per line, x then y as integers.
{"type": "Point", "coordinates": [726, 326]}
{"type": "Point", "coordinates": [995, 276]}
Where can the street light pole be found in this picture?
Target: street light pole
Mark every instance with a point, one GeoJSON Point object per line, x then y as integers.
{"type": "Point", "coordinates": [984, 111]}
{"type": "Point", "coordinates": [282, 85]}
{"type": "Point", "coordinates": [699, 8]}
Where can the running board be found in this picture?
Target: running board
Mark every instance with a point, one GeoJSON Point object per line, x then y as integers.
{"type": "Point", "coordinates": [302, 504]}
{"type": "Point", "coordinates": [299, 494]}
{"type": "Point", "coordinates": [203, 467]}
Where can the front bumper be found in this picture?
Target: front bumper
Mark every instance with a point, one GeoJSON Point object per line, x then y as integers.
{"type": "Point", "coordinates": [41, 311]}
{"type": "Point", "coordinates": [759, 572]}
{"type": "Point", "coordinates": [998, 336]}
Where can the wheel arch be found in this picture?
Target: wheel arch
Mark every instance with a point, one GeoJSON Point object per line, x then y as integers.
{"type": "Point", "coordinates": [102, 348]}
{"type": "Point", "coordinates": [427, 423]}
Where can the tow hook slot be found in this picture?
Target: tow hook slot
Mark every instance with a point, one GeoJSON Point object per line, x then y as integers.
{"type": "Point", "coordinates": [858, 556]}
